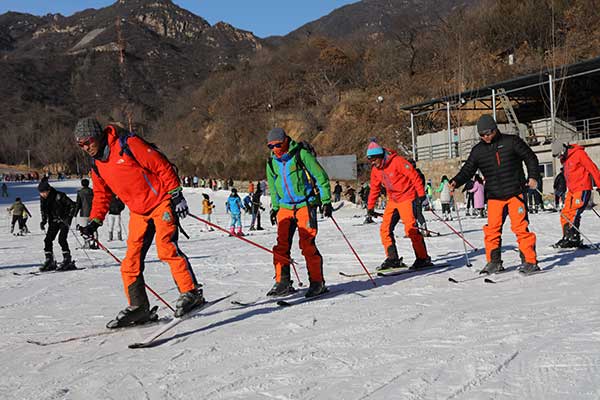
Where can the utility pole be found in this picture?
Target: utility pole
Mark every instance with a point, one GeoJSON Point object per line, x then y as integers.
{"type": "Point", "coordinates": [28, 159]}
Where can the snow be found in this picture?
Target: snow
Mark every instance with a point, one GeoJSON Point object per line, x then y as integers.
{"type": "Point", "coordinates": [414, 336]}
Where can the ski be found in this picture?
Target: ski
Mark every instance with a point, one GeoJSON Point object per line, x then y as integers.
{"type": "Point", "coordinates": [37, 273]}
{"type": "Point", "coordinates": [263, 300]}
{"type": "Point", "coordinates": [480, 276]}
{"type": "Point", "coordinates": [402, 268]}
{"type": "Point", "coordinates": [520, 275]}
{"type": "Point", "coordinates": [283, 303]}
{"type": "Point", "coordinates": [408, 270]}
{"type": "Point", "coordinates": [97, 334]}
{"type": "Point", "coordinates": [150, 341]}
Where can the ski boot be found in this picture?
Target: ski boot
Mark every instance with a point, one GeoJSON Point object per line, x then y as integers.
{"type": "Point", "coordinates": [119, 236]}
{"type": "Point", "coordinates": [188, 301]}
{"type": "Point", "coordinates": [252, 228]}
{"type": "Point", "coordinates": [391, 263]}
{"type": "Point", "coordinates": [421, 263]}
{"type": "Point", "coordinates": [49, 264]}
{"type": "Point", "coordinates": [316, 289]}
{"type": "Point", "coordinates": [67, 264]}
{"type": "Point", "coordinates": [493, 267]}
{"type": "Point", "coordinates": [529, 268]}
{"type": "Point", "coordinates": [260, 228]}
{"type": "Point", "coordinates": [110, 236]}
{"type": "Point", "coordinates": [282, 288]}
{"type": "Point", "coordinates": [133, 315]}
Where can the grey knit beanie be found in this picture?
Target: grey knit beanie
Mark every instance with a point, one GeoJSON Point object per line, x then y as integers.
{"type": "Point", "coordinates": [276, 135]}
{"type": "Point", "coordinates": [88, 127]}
{"type": "Point", "coordinates": [485, 123]}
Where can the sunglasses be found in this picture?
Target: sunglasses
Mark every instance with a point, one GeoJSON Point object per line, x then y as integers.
{"type": "Point", "coordinates": [85, 142]}
{"type": "Point", "coordinates": [374, 158]}
{"type": "Point", "coordinates": [489, 132]}
{"type": "Point", "coordinates": [275, 145]}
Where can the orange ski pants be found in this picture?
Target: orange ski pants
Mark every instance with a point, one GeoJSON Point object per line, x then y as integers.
{"type": "Point", "coordinates": [142, 230]}
{"type": "Point", "coordinates": [305, 220]}
{"type": "Point", "coordinates": [575, 203]}
{"type": "Point", "coordinates": [390, 219]}
{"type": "Point", "coordinates": [516, 209]}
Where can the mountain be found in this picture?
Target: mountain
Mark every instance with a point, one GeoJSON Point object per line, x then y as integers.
{"type": "Point", "coordinates": [134, 53]}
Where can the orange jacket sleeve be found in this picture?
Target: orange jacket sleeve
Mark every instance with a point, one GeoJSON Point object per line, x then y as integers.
{"type": "Point", "coordinates": [152, 160]}
{"type": "Point", "coordinates": [591, 167]}
{"type": "Point", "coordinates": [375, 188]}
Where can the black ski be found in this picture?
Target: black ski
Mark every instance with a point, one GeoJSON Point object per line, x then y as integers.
{"type": "Point", "coordinates": [480, 276]}
{"type": "Point", "coordinates": [408, 270]}
{"type": "Point", "coordinates": [520, 274]}
{"type": "Point", "coordinates": [283, 303]}
{"type": "Point", "coordinates": [263, 300]}
{"type": "Point", "coordinates": [151, 340]}
{"type": "Point", "coordinates": [54, 271]}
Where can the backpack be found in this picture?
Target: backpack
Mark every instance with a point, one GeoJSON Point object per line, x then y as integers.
{"type": "Point", "coordinates": [123, 136]}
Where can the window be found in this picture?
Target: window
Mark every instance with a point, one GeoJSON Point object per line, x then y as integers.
{"type": "Point", "coordinates": [546, 170]}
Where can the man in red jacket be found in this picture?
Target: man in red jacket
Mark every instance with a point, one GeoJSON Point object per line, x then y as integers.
{"type": "Point", "coordinates": [127, 166]}
{"type": "Point", "coordinates": [402, 185]}
{"type": "Point", "coordinates": [579, 170]}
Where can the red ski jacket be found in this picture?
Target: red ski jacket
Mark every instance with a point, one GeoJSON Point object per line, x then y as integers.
{"type": "Point", "coordinates": [400, 178]}
{"type": "Point", "coordinates": [141, 183]}
{"type": "Point", "coordinates": [579, 169]}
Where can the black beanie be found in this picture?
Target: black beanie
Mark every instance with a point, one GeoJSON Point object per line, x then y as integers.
{"type": "Point", "coordinates": [87, 127]}
{"type": "Point", "coordinates": [44, 186]}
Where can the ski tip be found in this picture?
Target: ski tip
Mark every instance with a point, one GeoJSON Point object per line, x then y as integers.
{"type": "Point", "coordinates": [488, 280]}
{"type": "Point", "coordinates": [452, 280]}
{"type": "Point", "coordinates": [137, 345]}
{"type": "Point", "coordinates": [283, 303]}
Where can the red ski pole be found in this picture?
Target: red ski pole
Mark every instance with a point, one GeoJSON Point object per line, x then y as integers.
{"type": "Point", "coordinates": [283, 258]}
{"type": "Point", "coordinates": [352, 248]}
{"type": "Point", "coordinates": [147, 287]}
{"type": "Point", "coordinates": [453, 230]}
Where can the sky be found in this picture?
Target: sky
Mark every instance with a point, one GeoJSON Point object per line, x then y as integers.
{"type": "Point", "coordinates": [262, 17]}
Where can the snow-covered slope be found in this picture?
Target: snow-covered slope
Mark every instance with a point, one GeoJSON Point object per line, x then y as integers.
{"type": "Point", "coordinates": [415, 336]}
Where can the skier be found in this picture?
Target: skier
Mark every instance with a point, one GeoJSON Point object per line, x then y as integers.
{"type": "Point", "coordinates": [57, 211]}
{"type": "Point", "coordinates": [417, 206]}
{"type": "Point", "coordinates": [500, 158]}
{"type": "Point", "coordinates": [256, 208]}
{"type": "Point", "coordinates": [429, 194]}
{"type": "Point", "coordinates": [337, 191]}
{"type": "Point", "coordinates": [297, 183]}
{"type": "Point", "coordinates": [560, 189]}
{"type": "Point", "coordinates": [85, 196]}
{"type": "Point", "coordinates": [207, 209]}
{"type": "Point", "coordinates": [18, 209]}
{"type": "Point", "coordinates": [145, 180]}
{"type": "Point", "coordinates": [4, 190]}
{"type": "Point", "coordinates": [478, 193]}
{"type": "Point", "coordinates": [469, 196]}
{"type": "Point", "coordinates": [403, 185]}
{"type": "Point", "coordinates": [247, 203]}
{"type": "Point", "coordinates": [579, 170]}
{"type": "Point", "coordinates": [115, 208]}
{"type": "Point", "coordinates": [445, 197]}
{"type": "Point", "coordinates": [233, 206]}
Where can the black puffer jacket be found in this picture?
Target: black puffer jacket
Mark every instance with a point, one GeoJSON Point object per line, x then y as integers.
{"type": "Point", "coordinates": [501, 163]}
{"type": "Point", "coordinates": [85, 196]}
{"type": "Point", "coordinates": [57, 207]}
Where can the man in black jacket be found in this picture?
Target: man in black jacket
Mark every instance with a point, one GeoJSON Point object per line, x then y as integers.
{"type": "Point", "coordinates": [85, 196]}
{"type": "Point", "coordinates": [57, 211]}
{"type": "Point", "coordinates": [500, 159]}
{"type": "Point", "coordinates": [560, 189]}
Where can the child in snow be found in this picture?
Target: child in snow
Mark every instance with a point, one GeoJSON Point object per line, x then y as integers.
{"type": "Point", "coordinates": [18, 209]}
{"type": "Point", "coordinates": [207, 209]}
{"type": "Point", "coordinates": [445, 197]}
{"type": "Point", "coordinates": [234, 207]}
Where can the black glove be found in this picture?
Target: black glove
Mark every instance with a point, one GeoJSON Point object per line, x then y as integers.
{"type": "Point", "coordinates": [89, 230]}
{"type": "Point", "coordinates": [327, 210]}
{"type": "Point", "coordinates": [371, 213]}
{"type": "Point", "coordinates": [43, 225]}
{"type": "Point", "coordinates": [273, 217]}
{"type": "Point", "coordinates": [180, 206]}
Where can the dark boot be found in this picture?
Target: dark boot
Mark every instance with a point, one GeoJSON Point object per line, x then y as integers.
{"type": "Point", "coordinates": [188, 301]}
{"type": "Point", "coordinates": [283, 288]}
{"type": "Point", "coordinates": [119, 237]}
{"type": "Point", "coordinates": [110, 236]}
{"type": "Point", "coordinates": [390, 263]}
{"type": "Point", "coordinates": [67, 263]}
{"type": "Point", "coordinates": [49, 264]}
{"type": "Point", "coordinates": [529, 268]}
{"type": "Point", "coordinates": [495, 264]}
{"type": "Point", "coordinates": [316, 289]}
{"type": "Point", "coordinates": [133, 315]}
{"type": "Point", "coordinates": [422, 263]}
{"type": "Point", "coordinates": [564, 241]}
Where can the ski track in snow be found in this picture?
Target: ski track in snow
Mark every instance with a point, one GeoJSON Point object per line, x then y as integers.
{"type": "Point", "coordinates": [414, 336]}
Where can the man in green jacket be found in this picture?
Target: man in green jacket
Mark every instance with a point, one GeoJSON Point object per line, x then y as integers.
{"type": "Point", "coordinates": [298, 184]}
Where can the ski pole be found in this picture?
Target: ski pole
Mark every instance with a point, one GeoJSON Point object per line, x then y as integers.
{"type": "Point", "coordinates": [454, 230]}
{"type": "Point", "coordinates": [462, 233]}
{"type": "Point", "coordinates": [353, 251]}
{"type": "Point", "coordinates": [146, 285]}
{"type": "Point", "coordinates": [81, 246]}
{"type": "Point", "coordinates": [573, 226]}
{"type": "Point", "coordinates": [283, 258]}
{"type": "Point", "coordinates": [596, 212]}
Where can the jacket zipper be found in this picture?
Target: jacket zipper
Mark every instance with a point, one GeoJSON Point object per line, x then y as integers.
{"type": "Point", "coordinates": [283, 175]}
